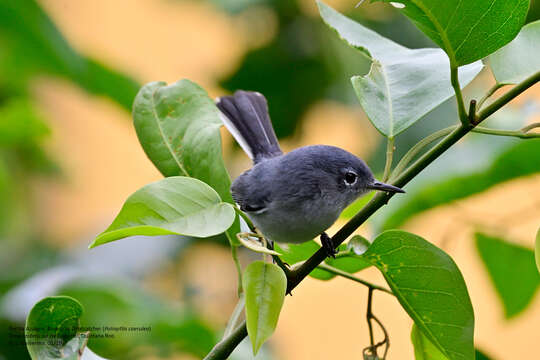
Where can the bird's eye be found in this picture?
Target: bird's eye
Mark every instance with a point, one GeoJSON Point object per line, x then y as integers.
{"type": "Point", "coordinates": [350, 178]}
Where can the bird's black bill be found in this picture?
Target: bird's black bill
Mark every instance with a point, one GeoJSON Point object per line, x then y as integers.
{"type": "Point", "coordinates": [385, 187]}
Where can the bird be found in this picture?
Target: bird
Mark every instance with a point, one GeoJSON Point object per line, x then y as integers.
{"type": "Point", "coordinates": [291, 197]}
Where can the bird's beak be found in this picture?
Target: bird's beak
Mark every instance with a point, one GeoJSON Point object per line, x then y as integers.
{"type": "Point", "coordinates": [377, 185]}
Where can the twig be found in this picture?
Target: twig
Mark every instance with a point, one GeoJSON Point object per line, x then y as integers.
{"type": "Point", "coordinates": [490, 92]}
{"type": "Point", "coordinates": [514, 133]}
{"type": "Point", "coordinates": [530, 127]}
{"type": "Point", "coordinates": [419, 146]}
{"type": "Point", "coordinates": [508, 96]}
{"type": "Point", "coordinates": [234, 253]}
{"type": "Point", "coordinates": [472, 112]}
{"type": "Point", "coordinates": [345, 274]}
{"type": "Point", "coordinates": [370, 316]}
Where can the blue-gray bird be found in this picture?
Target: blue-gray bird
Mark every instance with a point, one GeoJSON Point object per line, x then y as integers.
{"type": "Point", "coordinates": [293, 197]}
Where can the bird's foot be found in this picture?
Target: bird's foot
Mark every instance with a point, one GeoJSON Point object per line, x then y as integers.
{"type": "Point", "coordinates": [328, 245]}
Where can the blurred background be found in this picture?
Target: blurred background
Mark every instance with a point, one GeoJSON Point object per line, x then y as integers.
{"type": "Point", "coordinates": [69, 157]}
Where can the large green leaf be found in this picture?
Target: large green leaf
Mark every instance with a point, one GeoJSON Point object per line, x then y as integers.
{"type": "Point", "coordinates": [51, 331]}
{"type": "Point", "coordinates": [174, 205]}
{"type": "Point", "coordinates": [467, 30]}
{"type": "Point", "coordinates": [520, 58]}
{"type": "Point", "coordinates": [512, 163]}
{"type": "Point", "coordinates": [423, 348]}
{"type": "Point", "coordinates": [512, 270]}
{"type": "Point", "coordinates": [54, 318]}
{"type": "Point", "coordinates": [264, 285]}
{"type": "Point", "coordinates": [350, 262]}
{"type": "Point", "coordinates": [430, 287]}
{"type": "Point", "coordinates": [403, 84]}
{"type": "Point", "coordinates": [178, 128]}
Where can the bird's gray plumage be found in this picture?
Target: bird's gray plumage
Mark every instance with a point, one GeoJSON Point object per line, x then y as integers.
{"type": "Point", "coordinates": [291, 197]}
{"type": "Point", "coordinates": [296, 196]}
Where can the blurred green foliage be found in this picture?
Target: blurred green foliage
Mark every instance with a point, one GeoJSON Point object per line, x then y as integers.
{"type": "Point", "coordinates": [32, 45]}
{"type": "Point", "coordinates": [173, 329]}
{"type": "Point", "coordinates": [512, 271]}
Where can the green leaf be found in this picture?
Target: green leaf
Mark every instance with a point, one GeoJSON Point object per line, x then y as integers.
{"type": "Point", "coordinates": [512, 270]}
{"type": "Point", "coordinates": [430, 287]}
{"type": "Point", "coordinates": [520, 58]}
{"type": "Point", "coordinates": [467, 30]}
{"type": "Point", "coordinates": [513, 163]}
{"type": "Point", "coordinates": [174, 205]}
{"type": "Point", "coordinates": [403, 84]}
{"type": "Point", "coordinates": [537, 250]}
{"type": "Point", "coordinates": [294, 253]}
{"type": "Point", "coordinates": [20, 125]}
{"type": "Point", "coordinates": [264, 285]}
{"type": "Point", "coordinates": [178, 128]}
{"type": "Point", "coordinates": [51, 324]}
{"type": "Point", "coordinates": [423, 348]}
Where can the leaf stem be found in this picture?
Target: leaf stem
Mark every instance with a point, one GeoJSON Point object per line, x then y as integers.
{"type": "Point", "coordinates": [529, 127]}
{"type": "Point", "coordinates": [459, 96]}
{"type": "Point", "coordinates": [234, 253]}
{"type": "Point", "coordinates": [389, 157]}
{"type": "Point", "coordinates": [489, 93]}
{"type": "Point", "coordinates": [245, 218]}
{"type": "Point", "coordinates": [508, 96]}
{"type": "Point", "coordinates": [514, 133]}
{"type": "Point", "coordinates": [346, 275]}
{"type": "Point", "coordinates": [419, 146]}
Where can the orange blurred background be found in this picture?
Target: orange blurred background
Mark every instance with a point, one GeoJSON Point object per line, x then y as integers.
{"type": "Point", "coordinates": [95, 144]}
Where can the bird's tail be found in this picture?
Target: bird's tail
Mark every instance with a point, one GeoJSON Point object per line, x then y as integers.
{"type": "Point", "coordinates": [245, 114]}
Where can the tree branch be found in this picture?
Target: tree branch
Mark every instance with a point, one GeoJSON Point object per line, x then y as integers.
{"type": "Point", "coordinates": [224, 348]}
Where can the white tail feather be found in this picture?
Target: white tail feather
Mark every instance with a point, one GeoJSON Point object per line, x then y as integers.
{"type": "Point", "coordinates": [235, 133]}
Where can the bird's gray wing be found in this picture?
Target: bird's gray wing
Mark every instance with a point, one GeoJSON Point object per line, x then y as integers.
{"type": "Point", "coordinates": [250, 196]}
